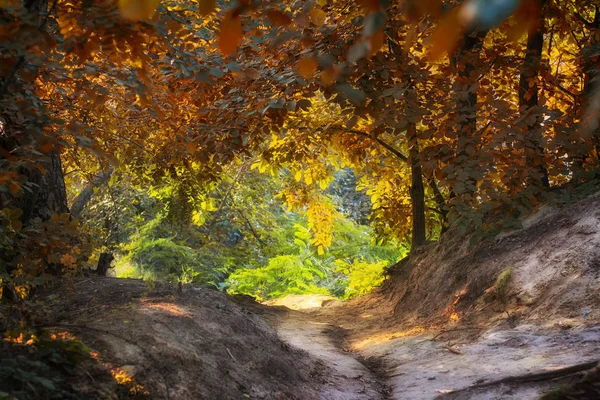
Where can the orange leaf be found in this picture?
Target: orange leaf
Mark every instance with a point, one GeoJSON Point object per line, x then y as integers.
{"type": "Point", "coordinates": [377, 41]}
{"type": "Point", "coordinates": [205, 7]}
{"type": "Point", "coordinates": [446, 35]}
{"type": "Point", "coordinates": [137, 10]}
{"type": "Point", "coordinates": [279, 18]}
{"type": "Point", "coordinates": [230, 33]}
{"type": "Point", "coordinates": [14, 188]}
{"type": "Point", "coordinates": [307, 67]}
{"type": "Point", "coordinates": [329, 76]}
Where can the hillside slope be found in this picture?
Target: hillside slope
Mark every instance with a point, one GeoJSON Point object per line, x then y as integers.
{"type": "Point", "coordinates": [554, 262]}
{"type": "Point", "coordinates": [456, 314]}
{"type": "Point", "coordinates": [157, 343]}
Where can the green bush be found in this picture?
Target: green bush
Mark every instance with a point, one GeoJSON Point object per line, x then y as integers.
{"type": "Point", "coordinates": [361, 276]}
{"type": "Point", "coordinates": [289, 274]}
{"type": "Point", "coordinates": [164, 259]}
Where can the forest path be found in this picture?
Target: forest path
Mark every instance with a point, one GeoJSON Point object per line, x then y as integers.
{"type": "Point", "coordinates": [420, 365]}
{"type": "Point", "coordinates": [351, 380]}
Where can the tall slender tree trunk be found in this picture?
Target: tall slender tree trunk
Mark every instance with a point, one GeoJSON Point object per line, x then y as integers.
{"type": "Point", "coordinates": [417, 190]}
{"type": "Point", "coordinates": [590, 97]}
{"type": "Point", "coordinates": [467, 166]}
{"type": "Point", "coordinates": [537, 173]}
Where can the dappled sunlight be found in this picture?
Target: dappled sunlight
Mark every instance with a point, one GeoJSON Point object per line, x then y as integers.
{"type": "Point", "coordinates": [300, 301]}
{"type": "Point", "coordinates": [385, 337]}
{"type": "Point", "coordinates": [169, 308]}
{"type": "Point", "coordinates": [123, 378]}
{"type": "Point", "coordinates": [30, 339]}
{"type": "Point", "coordinates": [451, 312]}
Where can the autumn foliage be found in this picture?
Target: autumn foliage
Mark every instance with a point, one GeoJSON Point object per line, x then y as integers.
{"type": "Point", "coordinates": [446, 111]}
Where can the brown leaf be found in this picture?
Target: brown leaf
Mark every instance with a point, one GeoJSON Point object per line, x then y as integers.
{"type": "Point", "coordinates": [230, 33]}
{"type": "Point", "coordinates": [138, 10]}
{"type": "Point", "coordinates": [370, 5]}
{"type": "Point", "coordinates": [429, 7]}
{"type": "Point", "coordinates": [307, 67]}
{"type": "Point", "coordinates": [205, 7]}
{"type": "Point", "coordinates": [329, 75]}
{"type": "Point", "coordinates": [46, 147]}
{"type": "Point", "coordinates": [278, 18]}
{"type": "Point", "coordinates": [377, 41]}
{"type": "Point", "coordinates": [191, 147]}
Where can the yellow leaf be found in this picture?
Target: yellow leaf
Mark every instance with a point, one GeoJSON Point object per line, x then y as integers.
{"type": "Point", "coordinates": [137, 10]}
{"type": "Point", "coordinates": [298, 176]}
{"type": "Point", "coordinates": [307, 67]}
{"type": "Point", "coordinates": [321, 250]}
{"type": "Point", "coordinates": [205, 7]}
{"type": "Point", "coordinates": [308, 179]}
{"type": "Point", "coordinates": [230, 34]}
{"type": "Point", "coordinates": [318, 16]}
{"type": "Point", "coordinates": [323, 184]}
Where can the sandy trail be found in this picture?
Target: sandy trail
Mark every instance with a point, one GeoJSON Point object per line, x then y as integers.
{"type": "Point", "coordinates": [421, 366]}
{"type": "Point", "coordinates": [351, 380]}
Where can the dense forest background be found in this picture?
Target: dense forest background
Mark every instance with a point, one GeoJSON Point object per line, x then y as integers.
{"type": "Point", "coordinates": [281, 147]}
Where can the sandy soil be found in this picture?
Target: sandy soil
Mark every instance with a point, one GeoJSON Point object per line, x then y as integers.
{"type": "Point", "coordinates": [419, 364]}
{"type": "Point", "coordinates": [350, 379]}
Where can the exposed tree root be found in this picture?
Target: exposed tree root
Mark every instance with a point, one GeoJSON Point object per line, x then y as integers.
{"type": "Point", "coordinates": [533, 377]}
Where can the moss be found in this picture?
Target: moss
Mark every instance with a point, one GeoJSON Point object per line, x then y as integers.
{"type": "Point", "coordinates": [502, 284]}
{"type": "Point", "coordinates": [500, 289]}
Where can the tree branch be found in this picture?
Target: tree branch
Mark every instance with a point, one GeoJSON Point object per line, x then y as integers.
{"type": "Point", "coordinates": [383, 144]}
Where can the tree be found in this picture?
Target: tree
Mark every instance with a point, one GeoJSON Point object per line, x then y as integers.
{"type": "Point", "coordinates": [529, 100]}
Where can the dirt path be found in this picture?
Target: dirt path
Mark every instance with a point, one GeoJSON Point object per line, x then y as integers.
{"type": "Point", "coordinates": [426, 365]}
{"type": "Point", "coordinates": [351, 379]}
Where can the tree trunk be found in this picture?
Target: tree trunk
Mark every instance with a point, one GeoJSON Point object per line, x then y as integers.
{"type": "Point", "coordinates": [104, 263]}
{"type": "Point", "coordinates": [440, 201]}
{"type": "Point", "coordinates": [86, 194]}
{"type": "Point", "coordinates": [41, 190]}
{"type": "Point", "coordinates": [45, 194]}
{"type": "Point", "coordinates": [467, 166]}
{"type": "Point", "coordinates": [417, 190]}
{"type": "Point", "coordinates": [537, 174]}
{"type": "Point", "coordinates": [589, 135]}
